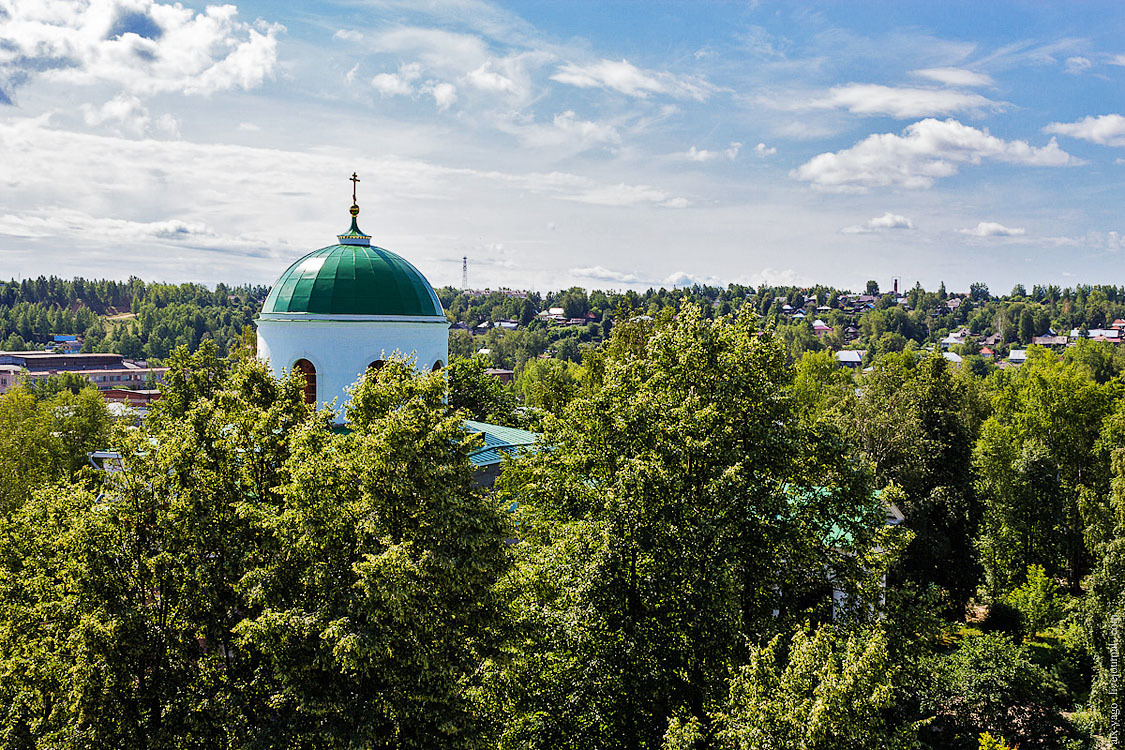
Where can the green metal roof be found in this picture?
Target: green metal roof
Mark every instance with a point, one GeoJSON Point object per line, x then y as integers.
{"type": "Point", "coordinates": [498, 442]}
{"type": "Point", "coordinates": [353, 278]}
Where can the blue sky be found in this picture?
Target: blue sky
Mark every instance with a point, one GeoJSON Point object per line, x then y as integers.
{"type": "Point", "coordinates": [608, 145]}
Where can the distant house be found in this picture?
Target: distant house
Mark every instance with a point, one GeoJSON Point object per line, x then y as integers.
{"type": "Point", "coordinates": [955, 339]}
{"type": "Point", "coordinates": [105, 371]}
{"type": "Point", "coordinates": [1017, 356]}
{"type": "Point", "coordinates": [987, 353]}
{"type": "Point", "coordinates": [504, 376]}
{"type": "Point", "coordinates": [9, 376]}
{"type": "Point", "coordinates": [951, 357]}
{"type": "Point", "coordinates": [1050, 340]}
{"type": "Point", "coordinates": [851, 357]}
{"type": "Point", "coordinates": [1118, 324]}
{"type": "Point", "coordinates": [554, 313]}
{"type": "Point", "coordinates": [820, 327]}
{"type": "Point", "coordinates": [992, 340]}
{"type": "Point", "coordinates": [1105, 334]}
{"type": "Point", "coordinates": [508, 325]}
{"type": "Point", "coordinates": [65, 343]}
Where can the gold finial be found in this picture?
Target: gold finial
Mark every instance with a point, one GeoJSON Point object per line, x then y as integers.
{"type": "Point", "coordinates": [354, 180]}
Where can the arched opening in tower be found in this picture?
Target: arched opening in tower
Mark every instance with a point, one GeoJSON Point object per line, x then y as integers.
{"type": "Point", "coordinates": [309, 372]}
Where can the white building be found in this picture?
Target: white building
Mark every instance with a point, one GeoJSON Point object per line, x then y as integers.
{"type": "Point", "coordinates": [347, 307]}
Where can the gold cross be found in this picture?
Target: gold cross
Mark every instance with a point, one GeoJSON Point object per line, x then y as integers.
{"type": "Point", "coordinates": [354, 180]}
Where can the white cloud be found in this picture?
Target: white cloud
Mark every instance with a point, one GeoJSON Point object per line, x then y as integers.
{"type": "Point", "coordinates": [585, 130]}
{"type": "Point", "coordinates": [486, 79]}
{"type": "Point", "coordinates": [391, 84]}
{"type": "Point", "coordinates": [954, 76]}
{"type": "Point", "coordinates": [609, 275]}
{"type": "Point", "coordinates": [445, 94]}
{"type": "Point", "coordinates": [777, 277]}
{"type": "Point", "coordinates": [248, 127]}
{"type": "Point", "coordinates": [1117, 60]}
{"type": "Point", "coordinates": [1111, 241]}
{"type": "Point", "coordinates": [348, 35]}
{"type": "Point", "coordinates": [763, 150]}
{"type": "Point", "coordinates": [622, 194]}
{"type": "Point", "coordinates": [903, 101]}
{"type": "Point", "coordinates": [580, 189]}
{"type": "Point", "coordinates": [1107, 130]}
{"type": "Point", "coordinates": [1078, 64]}
{"type": "Point", "coordinates": [628, 79]}
{"type": "Point", "coordinates": [130, 114]}
{"type": "Point", "coordinates": [565, 133]}
{"type": "Point", "coordinates": [698, 154]}
{"type": "Point", "coordinates": [237, 204]}
{"type": "Point", "coordinates": [993, 229]}
{"type": "Point", "coordinates": [927, 150]}
{"type": "Point", "coordinates": [884, 222]}
{"type": "Point", "coordinates": [143, 46]}
{"type": "Point", "coordinates": [601, 273]}
{"type": "Point", "coordinates": [683, 278]}
{"type": "Point", "coordinates": [400, 83]}
{"type": "Point", "coordinates": [72, 224]}
{"type": "Point", "coordinates": [439, 50]}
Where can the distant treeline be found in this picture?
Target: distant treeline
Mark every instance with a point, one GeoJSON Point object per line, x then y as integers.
{"type": "Point", "coordinates": [134, 318]}
{"type": "Point", "coordinates": [148, 320]}
{"type": "Point", "coordinates": [885, 326]}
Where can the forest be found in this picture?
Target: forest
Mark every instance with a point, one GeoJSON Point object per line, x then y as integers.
{"type": "Point", "coordinates": [147, 320]}
{"type": "Point", "coordinates": [697, 555]}
{"type": "Point", "coordinates": [140, 320]}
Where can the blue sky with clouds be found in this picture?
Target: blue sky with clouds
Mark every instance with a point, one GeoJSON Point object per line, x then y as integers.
{"type": "Point", "coordinates": [603, 144]}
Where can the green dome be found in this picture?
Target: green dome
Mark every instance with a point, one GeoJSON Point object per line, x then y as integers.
{"type": "Point", "coordinates": [353, 279]}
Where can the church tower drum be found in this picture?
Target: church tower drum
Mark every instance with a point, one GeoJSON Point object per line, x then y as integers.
{"type": "Point", "coordinates": [346, 307]}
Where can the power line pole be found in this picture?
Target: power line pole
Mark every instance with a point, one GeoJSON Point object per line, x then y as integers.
{"type": "Point", "coordinates": [464, 273]}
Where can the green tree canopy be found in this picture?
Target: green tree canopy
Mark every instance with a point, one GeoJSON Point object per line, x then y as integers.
{"type": "Point", "coordinates": [679, 509]}
{"type": "Point", "coordinates": [255, 579]}
{"type": "Point", "coordinates": [1046, 484]}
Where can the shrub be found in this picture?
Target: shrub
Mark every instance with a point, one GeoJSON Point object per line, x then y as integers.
{"type": "Point", "coordinates": [1037, 601]}
{"type": "Point", "coordinates": [989, 684]}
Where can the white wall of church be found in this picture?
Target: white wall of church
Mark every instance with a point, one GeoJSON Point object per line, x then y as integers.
{"type": "Point", "coordinates": [342, 349]}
